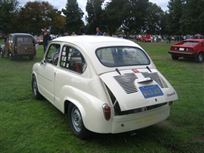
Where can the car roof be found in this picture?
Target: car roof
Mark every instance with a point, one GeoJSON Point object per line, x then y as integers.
{"type": "Point", "coordinates": [21, 34]}
{"type": "Point", "coordinates": [196, 40]}
{"type": "Point", "coordinates": [97, 41]}
{"type": "Point", "coordinates": [91, 43]}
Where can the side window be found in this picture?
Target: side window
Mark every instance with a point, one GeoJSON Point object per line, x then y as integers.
{"type": "Point", "coordinates": [72, 59]}
{"type": "Point", "coordinates": [52, 55]}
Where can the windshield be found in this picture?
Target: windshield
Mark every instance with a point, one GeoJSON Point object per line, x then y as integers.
{"type": "Point", "coordinates": [122, 56]}
{"type": "Point", "coordinates": [190, 43]}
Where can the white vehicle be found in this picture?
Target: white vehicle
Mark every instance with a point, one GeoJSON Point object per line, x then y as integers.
{"type": "Point", "coordinates": [103, 84]}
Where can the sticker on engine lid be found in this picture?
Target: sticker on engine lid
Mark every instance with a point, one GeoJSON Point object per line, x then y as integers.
{"type": "Point", "coordinates": [151, 91]}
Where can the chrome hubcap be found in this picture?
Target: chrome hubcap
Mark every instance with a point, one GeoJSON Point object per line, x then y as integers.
{"type": "Point", "coordinates": [76, 119]}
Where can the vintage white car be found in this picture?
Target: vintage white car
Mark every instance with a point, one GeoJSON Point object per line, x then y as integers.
{"type": "Point", "coordinates": [103, 84]}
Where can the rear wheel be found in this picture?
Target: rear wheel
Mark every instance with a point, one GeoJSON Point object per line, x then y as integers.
{"type": "Point", "coordinates": [174, 57]}
{"type": "Point", "coordinates": [76, 122]}
{"type": "Point", "coordinates": [35, 90]}
{"type": "Point", "coordinates": [200, 58]}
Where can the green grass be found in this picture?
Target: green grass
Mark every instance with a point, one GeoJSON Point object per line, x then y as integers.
{"type": "Point", "coordinates": [31, 126]}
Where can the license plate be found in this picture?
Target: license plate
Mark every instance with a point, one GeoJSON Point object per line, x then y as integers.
{"type": "Point", "coordinates": [181, 49]}
{"type": "Point", "coordinates": [151, 91]}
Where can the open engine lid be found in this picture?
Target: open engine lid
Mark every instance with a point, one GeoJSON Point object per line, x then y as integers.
{"type": "Point", "coordinates": [136, 89]}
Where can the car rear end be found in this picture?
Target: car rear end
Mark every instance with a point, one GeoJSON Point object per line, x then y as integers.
{"type": "Point", "coordinates": [139, 96]}
{"type": "Point", "coordinates": [186, 49]}
{"type": "Point", "coordinates": [25, 46]}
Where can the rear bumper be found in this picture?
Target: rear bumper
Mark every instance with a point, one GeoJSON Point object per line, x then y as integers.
{"type": "Point", "coordinates": [182, 54]}
{"type": "Point", "coordinates": [131, 122]}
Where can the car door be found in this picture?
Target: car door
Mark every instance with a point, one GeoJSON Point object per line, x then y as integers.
{"type": "Point", "coordinates": [47, 71]}
{"type": "Point", "coordinates": [72, 65]}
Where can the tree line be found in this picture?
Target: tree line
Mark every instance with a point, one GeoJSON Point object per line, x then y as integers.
{"type": "Point", "coordinates": [127, 16]}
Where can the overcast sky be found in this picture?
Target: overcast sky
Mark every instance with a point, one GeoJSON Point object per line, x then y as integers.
{"type": "Point", "coordinates": [59, 4]}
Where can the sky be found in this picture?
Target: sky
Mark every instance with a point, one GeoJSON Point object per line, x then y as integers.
{"type": "Point", "coordinates": [59, 4]}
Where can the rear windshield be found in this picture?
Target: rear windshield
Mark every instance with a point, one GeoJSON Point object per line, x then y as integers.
{"type": "Point", "coordinates": [23, 39]}
{"type": "Point", "coordinates": [190, 43]}
{"type": "Point", "coordinates": [122, 56]}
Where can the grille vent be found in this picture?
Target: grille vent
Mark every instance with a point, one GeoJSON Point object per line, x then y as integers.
{"type": "Point", "coordinates": [126, 81]}
{"type": "Point", "coordinates": [154, 76]}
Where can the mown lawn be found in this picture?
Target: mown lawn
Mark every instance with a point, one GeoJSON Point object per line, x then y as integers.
{"type": "Point", "coordinates": [31, 126]}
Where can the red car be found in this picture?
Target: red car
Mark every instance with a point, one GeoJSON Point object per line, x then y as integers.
{"type": "Point", "coordinates": [145, 38]}
{"type": "Point", "coordinates": [189, 48]}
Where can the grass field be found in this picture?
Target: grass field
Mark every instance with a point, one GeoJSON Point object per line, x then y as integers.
{"type": "Point", "coordinates": [31, 126]}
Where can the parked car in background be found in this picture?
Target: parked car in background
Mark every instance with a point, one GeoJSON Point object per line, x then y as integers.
{"type": "Point", "coordinates": [19, 44]}
{"type": "Point", "coordinates": [103, 84]}
{"type": "Point", "coordinates": [189, 48]}
{"type": "Point", "coordinates": [144, 38]}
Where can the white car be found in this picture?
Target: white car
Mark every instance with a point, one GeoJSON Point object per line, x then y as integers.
{"type": "Point", "coordinates": [103, 84]}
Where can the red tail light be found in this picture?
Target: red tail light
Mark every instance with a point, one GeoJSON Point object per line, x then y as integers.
{"type": "Point", "coordinates": [107, 111]}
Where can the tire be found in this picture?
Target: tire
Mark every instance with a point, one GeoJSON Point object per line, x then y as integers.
{"type": "Point", "coordinates": [174, 57]}
{"type": "Point", "coordinates": [199, 58]}
{"type": "Point", "coordinates": [35, 91]}
{"type": "Point", "coordinates": [76, 122]}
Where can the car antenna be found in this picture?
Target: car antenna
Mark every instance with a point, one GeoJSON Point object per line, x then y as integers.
{"type": "Point", "coordinates": [117, 71]}
{"type": "Point", "coordinates": [148, 68]}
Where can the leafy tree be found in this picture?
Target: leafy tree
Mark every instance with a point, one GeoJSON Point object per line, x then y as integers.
{"type": "Point", "coordinates": [8, 11]}
{"type": "Point", "coordinates": [192, 20]}
{"type": "Point", "coordinates": [153, 20]}
{"type": "Point", "coordinates": [34, 16]}
{"type": "Point", "coordinates": [95, 16]}
{"type": "Point", "coordinates": [174, 17]}
{"type": "Point", "coordinates": [135, 19]}
{"type": "Point", "coordinates": [74, 16]}
{"type": "Point", "coordinates": [115, 14]}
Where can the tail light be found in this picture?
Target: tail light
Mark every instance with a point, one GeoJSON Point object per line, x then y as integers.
{"type": "Point", "coordinates": [106, 111]}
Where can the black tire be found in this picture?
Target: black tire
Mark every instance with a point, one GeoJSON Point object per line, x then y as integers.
{"type": "Point", "coordinates": [76, 122]}
{"type": "Point", "coordinates": [35, 91]}
{"type": "Point", "coordinates": [199, 58]}
{"type": "Point", "coordinates": [174, 57]}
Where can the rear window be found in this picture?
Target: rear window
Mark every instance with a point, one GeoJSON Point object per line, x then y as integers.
{"type": "Point", "coordinates": [190, 43]}
{"type": "Point", "coordinates": [122, 56]}
{"type": "Point", "coordinates": [22, 39]}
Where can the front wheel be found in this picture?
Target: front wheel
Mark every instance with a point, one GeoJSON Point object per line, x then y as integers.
{"type": "Point", "coordinates": [76, 122]}
{"type": "Point", "coordinates": [200, 58]}
{"type": "Point", "coordinates": [35, 90]}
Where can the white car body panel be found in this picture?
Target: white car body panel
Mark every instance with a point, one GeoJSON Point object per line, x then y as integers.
{"type": "Point", "coordinates": [88, 91]}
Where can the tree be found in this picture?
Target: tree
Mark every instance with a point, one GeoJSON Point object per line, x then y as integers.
{"type": "Point", "coordinates": [192, 20]}
{"type": "Point", "coordinates": [95, 17]}
{"type": "Point", "coordinates": [74, 16]}
{"type": "Point", "coordinates": [174, 17]}
{"type": "Point", "coordinates": [37, 15]}
{"type": "Point", "coordinates": [135, 19]}
{"type": "Point", "coordinates": [115, 13]}
{"type": "Point", "coordinates": [153, 20]}
{"type": "Point", "coordinates": [8, 11]}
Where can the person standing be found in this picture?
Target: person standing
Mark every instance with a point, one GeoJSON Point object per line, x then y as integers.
{"type": "Point", "coordinates": [46, 39]}
{"type": "Point", "coordinates": [98, 32]}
